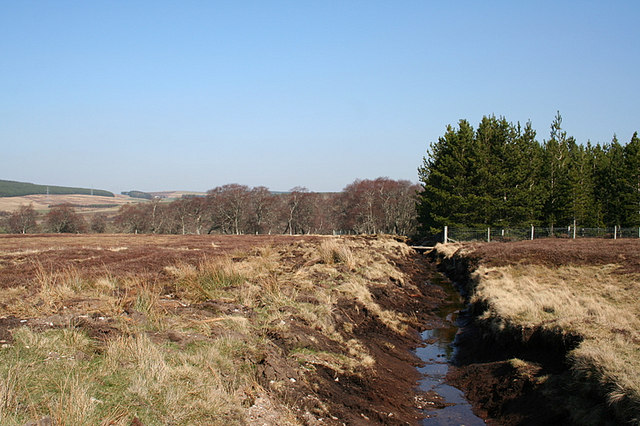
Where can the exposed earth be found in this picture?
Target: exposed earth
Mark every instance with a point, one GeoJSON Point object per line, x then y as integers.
{"type": "Point", "coordinates": [530, 349]}
{"type": "Point", "coordinates": [293, 386]}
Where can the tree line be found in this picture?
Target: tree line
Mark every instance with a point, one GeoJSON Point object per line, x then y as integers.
{"type": "Point", "coordinates": [370, 206]}
{"type": "Point", "coordinates": [500, 175]}
{"type": "Point", "coordinates": [9, 188]}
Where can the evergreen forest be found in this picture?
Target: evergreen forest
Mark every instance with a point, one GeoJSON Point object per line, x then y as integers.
{"type": "Point", "coordinates": [500, 175]}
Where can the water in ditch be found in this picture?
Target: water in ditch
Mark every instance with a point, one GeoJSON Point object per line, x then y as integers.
{"type": "Point", "coordinates": [436, 355]}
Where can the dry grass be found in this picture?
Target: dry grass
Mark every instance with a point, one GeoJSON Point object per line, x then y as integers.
{"type": "Point", "coordinates": [43, 201]}
{"type": "Point", "coordinates": [211, 279]}
{"type": "Point", "coordinates": [334, 251]}
{"type": "Point", "coordinates": [180, 350]}
{"type": "Point", "coordinates": [448, 250]}
{"type": "Point", "coordinates": [58, 374]}
{"type": "Point", "coordinates": [595, 302]}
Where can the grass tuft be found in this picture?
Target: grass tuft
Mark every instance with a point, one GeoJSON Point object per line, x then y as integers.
{"type": "Point", "coordinates": [209, 280]}
{"type": "Point", "coordinates": [334, 251]}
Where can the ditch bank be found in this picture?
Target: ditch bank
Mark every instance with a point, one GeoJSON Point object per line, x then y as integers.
{"type": "Point", "coordinates": [390, 392]}
{"type": "Point", "coordinates": [215, 330]}
{"type": "Point", "coordinates": [515, 375]}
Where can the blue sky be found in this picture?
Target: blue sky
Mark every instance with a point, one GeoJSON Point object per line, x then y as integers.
{"type": "Point", "coordinates": [162, 95]}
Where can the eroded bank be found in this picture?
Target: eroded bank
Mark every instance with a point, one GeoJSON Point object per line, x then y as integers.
{"type": "Point", "coordinates": [519, 372]}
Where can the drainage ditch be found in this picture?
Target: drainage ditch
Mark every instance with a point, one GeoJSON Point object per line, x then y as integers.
{"type": "Point", "coordinates": [437, 354]}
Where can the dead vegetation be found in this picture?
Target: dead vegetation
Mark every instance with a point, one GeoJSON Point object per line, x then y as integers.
{"type": "Point", "coordinates": [588, 293]}
{"type": "Point", "coordinates": [236, 336]}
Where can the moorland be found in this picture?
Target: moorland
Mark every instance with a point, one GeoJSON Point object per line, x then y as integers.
{"type": "Point", "coordinates": [166, 329]}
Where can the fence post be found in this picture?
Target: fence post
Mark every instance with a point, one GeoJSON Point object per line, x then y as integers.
{"type": "Point", "coordinates": [531, 232]}
{"type": "Point", "coordinates": [446, 231]}
{"type": "Point", "coordinates": [489, 235]}
{"type": "Point", "coordinates": [574, 229]}
{"type": "Point", "coordinates": [615, 232]}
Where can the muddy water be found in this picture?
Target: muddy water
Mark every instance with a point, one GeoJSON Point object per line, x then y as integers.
{"type": "Point", "coordinates": [437, 353]}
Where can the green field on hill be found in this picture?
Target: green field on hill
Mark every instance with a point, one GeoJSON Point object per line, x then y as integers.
{"type": "Point", "coordinates": [10, 188]}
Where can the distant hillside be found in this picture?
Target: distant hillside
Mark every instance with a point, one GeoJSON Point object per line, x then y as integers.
{"type": "Point", "coordinates": [82, 203]}
{"type": "Point", "coordinates": [138, 194]}
{"type": "Point", "coordinates": [10, 188]}
{"type": "Point", "coordinates": [172, 195]}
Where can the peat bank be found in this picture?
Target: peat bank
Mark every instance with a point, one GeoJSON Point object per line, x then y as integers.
{"type": "Point", "coordinates": [537, 359]}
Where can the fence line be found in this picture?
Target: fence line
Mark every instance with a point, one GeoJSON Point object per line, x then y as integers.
{"type": "Point", "coordinates": [453, 234]}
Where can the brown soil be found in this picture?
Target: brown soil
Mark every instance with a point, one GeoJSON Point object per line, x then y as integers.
{"type": "Point", "coordinates": [501, 391]}
{"type": "Point", "coordinates": [386, 396]}
{"type": "Point", "coordinates": [561, 252]}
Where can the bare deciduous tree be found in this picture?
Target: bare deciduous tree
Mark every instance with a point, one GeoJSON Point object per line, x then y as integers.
{"type": "Point", "coordinates": [262, 214]}
{"type": "Point", "coordinates": [382, 205]}
{"type": "Point", "coordinates": [63, 219]}
{"type": "Point", "coordinates": [229, 208]}
{"type": "Point", "coordinates": [133, 218]}
{"type": "Point", "coordinates": [99, 223]}
{"type": "Point", "coordinates": [23, 220]}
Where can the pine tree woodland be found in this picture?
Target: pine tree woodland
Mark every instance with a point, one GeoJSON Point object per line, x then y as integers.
{"type": "Point", "coordinates": [499, 175]}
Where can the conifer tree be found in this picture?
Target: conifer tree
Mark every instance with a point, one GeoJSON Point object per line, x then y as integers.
{"type": "Point", "coordinates": [582, 201]}
{"type": "Point", "coordinates": [499, 175]}
{"type": "Point", "coordinates": [555, 171]}
{"type": "Point", "coordinates": [525, 167]}
{"type": "Point", "coordinates": [613, 183]}
{"type": "Point", "coordinates": [494, 138]}
{"type": "Point", "coordinates": [597, 159]}
{"type": "Point", "coordinates": [446, 175]}
{"type": "Point", "coordinates": [632, 165]}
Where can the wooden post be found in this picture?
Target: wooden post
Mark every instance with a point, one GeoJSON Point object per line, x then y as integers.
{"type": "Point", "coordinates": [574, 229]}
{"type": "Point", "coordinates": [615, 232]}
{"type": "Point", "coordinates": [446, 232]}
{"type": "Point", "coordinates": [532, 232]}
{"type": "Point", "coordinates": [489, 235]}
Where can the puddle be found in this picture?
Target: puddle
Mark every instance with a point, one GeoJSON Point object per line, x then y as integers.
{"type": "Point", "coordinates": [437, 354]}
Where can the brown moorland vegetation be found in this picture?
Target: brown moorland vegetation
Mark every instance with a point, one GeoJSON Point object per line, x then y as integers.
{"type": "Point", "coordinates": [149, 329]}
{"type": "Point", "coordinates": [580, 294]}
{"type": "Point", "coordinates": [43, 201]}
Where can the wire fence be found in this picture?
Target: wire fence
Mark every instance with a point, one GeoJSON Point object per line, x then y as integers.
{"type": "Point", "coordinates": [453, 234]}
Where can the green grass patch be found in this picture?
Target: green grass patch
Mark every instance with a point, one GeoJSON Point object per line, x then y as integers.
{"type": "Point", "coordinates": [65, 375]}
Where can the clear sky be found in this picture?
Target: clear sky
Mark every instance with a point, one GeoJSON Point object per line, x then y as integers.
{"type": "Point", "coordinates": [189, 95]}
